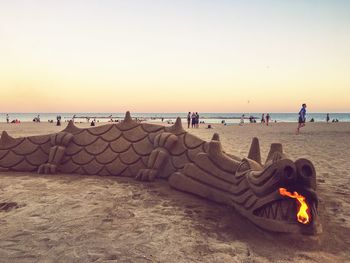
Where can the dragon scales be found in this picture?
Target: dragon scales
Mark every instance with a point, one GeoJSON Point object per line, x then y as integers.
{"type": "Point", "coordinates": [149, 151]}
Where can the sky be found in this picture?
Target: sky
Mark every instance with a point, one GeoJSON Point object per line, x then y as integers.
{"type": "Point", "coordinates": [174, 56]}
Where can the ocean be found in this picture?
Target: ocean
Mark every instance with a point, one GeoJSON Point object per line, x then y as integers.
{"type": "Point", "coordinates": [229, 118]}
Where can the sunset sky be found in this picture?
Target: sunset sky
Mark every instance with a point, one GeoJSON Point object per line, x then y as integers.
{"type": "Point", "coordinates": [174, 56]}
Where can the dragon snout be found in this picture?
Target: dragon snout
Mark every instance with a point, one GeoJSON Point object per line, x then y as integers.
{"type": "Point", "coordinates": [289, 172]}
{"type": "Point", "coordinates": [306, 173]}
{"type": "Point", "coordinates": [298, 176]}
{"type": "Point", "coordinates": [286, 172]}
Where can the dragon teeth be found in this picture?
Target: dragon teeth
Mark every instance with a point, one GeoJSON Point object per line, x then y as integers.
{"type": "Point", "coordinates": [281, 210]}
{"type": "Point", "coordinates": [274, 210]}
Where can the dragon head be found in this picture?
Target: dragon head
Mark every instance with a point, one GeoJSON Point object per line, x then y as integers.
{"type": "Point", "coordinates": [284, 193]}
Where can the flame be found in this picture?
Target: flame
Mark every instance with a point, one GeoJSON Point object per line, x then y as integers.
{"type": "Point", "coordinates": [303, 215]}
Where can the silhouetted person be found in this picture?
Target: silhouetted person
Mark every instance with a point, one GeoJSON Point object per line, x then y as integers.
{"type": "Point", "coordinates": [188, 119]}
{"type": "Point", "coordinates": [58, 120]}
{"type": "Point", "coordinates": [267, 119]}
{"type": "Point", "coordinates": [242, 120]}
{"type": "Point", "coordinates": [193, 119]}
{"type": "Point", "coordinates": [302, 117]}
{"type": "Point", "coordinates": [263, 118]}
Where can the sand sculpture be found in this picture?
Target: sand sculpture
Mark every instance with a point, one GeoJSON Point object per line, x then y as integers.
{"type": "Point", "coordinates": [278, 195]}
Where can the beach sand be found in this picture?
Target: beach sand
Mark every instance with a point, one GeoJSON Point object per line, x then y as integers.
{"type": "Point", "coordinates": [74, 218]}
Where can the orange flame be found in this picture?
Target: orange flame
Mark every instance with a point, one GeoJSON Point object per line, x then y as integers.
{"type": "Point", "coordinates": [303, 215]}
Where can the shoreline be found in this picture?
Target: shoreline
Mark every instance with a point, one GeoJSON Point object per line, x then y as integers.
{"type": "Point", "coordinates": [184, 121]}
{"type": "Point", "coordinates": [157, 117]}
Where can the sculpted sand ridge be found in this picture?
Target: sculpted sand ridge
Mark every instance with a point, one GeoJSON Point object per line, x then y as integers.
{"type": "Point", "coordinates": [149, 151]}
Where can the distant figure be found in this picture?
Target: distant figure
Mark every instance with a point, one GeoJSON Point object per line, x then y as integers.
{"type": "Point", "coordinates": [242, 120]}
{"type": "Point", "coordinates": [197, 120]}
{"type": "Point", "coordinates": [36, 119]}
{"type": "Point", "coordinates": [92, 123]}
{"type": "Point", "coordinates": [16, 121]}
{"type": "Point", "coordinates": [58, 118]}
{"type": "Point", "coordinates": [188, 119]}
{"type": "Point", "coordinates": [267, 119]}
{"type": "Point", "coordinates": [263, 118]}
{"type": "Point", "coordinates": [312, 120]}
{"type": "Point", "coordinates": [302, 117]}
{"type": "Point", "coordinates": [327, 117]}
{"type": "Point", "coordinates": [162, 119]}
{"type": "Point", "coordinates": [7, 118]}
{"type": "Point", "coordinates": [193, 118]}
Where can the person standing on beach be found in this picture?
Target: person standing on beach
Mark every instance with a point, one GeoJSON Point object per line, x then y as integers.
{"type": "Point", "coordinates": [58, 118]}
{"type": "Point", "coordinates": [188, 119]}
{"type": "Point", "coordinates": [267, 119]}
{"type": "Point", "coordinates": [327, 117]}
{"type": "Point", "coordinates": [242, 120]}
{"type": "Point", "coordinates": [197, 120]}
{"type": "Point", "coordinates": [302, 117]}
{"type": "Point", "coordinates": [263, 118]}
{"type": "Point", "coordinates": [7, 118]}
{"type": "Point", "coordinates": [193, 117]}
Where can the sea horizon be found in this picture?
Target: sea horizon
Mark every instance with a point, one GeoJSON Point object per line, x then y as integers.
{"type": "Point", "coordinates": [207, 117]}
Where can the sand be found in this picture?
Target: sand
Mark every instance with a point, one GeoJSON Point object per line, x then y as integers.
{"type": "Point", "coordinates": [74, 218]}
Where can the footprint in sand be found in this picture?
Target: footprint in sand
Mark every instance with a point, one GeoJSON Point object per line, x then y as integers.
{"type": "Point", "coordinates": [8, 206]}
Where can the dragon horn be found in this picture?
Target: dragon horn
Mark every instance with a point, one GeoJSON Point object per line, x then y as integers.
{"type": "Point", "coordinates": [254, 151]}
{"type": "Point", "coordinates": [71, 128]}
{"type": "Point", "coordinates": [215, 137]}
{"type": "Point", "coordinates": [275, 148]}
{"type": "Point", "coordinates": [224, 161]}
{"type": "Point", "coordinates": [178, 124]}
{"type": "Point", "coordinates": [5, 138]}
{"type": "Point", "coordinates": [176, 128]}
{"type": "Point", "coordinates": [215, 148]}
{"type": "Point", "coordinates": [127, 117]}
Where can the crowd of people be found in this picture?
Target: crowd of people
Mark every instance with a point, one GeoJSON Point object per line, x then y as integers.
{"type": "Point", "coordinates": [264, 119]}
{"type": "Point", "coordinates": [192, 120]}
{"type": "Point", "coordinates": [13, 121]}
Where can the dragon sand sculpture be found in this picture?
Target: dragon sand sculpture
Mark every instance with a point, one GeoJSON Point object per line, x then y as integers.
{"type": "Point", "coordinates": [278, 195]}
